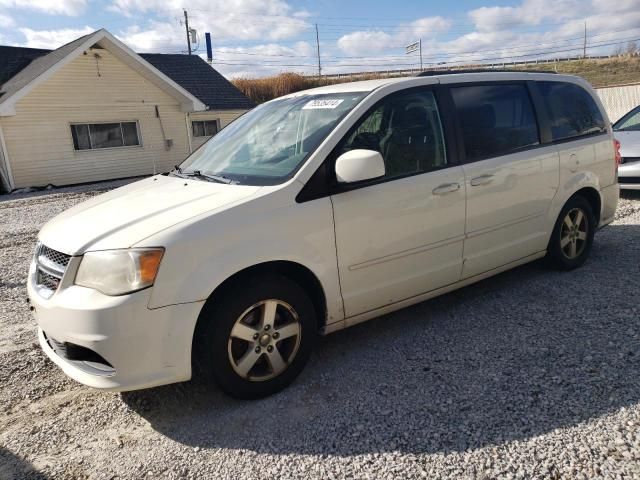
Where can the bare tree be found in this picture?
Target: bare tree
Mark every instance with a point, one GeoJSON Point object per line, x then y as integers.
{"type": "Point", "coordinates": [632, 48]}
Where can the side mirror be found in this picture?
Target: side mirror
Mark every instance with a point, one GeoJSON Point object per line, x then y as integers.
{"type": "Point", "coordinates": [358, 165]}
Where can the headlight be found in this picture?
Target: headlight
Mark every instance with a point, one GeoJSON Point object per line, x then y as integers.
{"type": "Point", "coordinates": [116, 272]}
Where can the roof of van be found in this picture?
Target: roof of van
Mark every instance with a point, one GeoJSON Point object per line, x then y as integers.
{"type": "Point", "coordinates": [450, 76]}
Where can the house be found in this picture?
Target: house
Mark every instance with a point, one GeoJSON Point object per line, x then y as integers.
{"type": "Point", "coordinates": [94, 109]}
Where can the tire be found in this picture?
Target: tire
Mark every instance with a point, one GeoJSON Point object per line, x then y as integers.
{"type": "Point", "coordinates": [247, 356]}
{"type": "Point", "coordinates": [567, 256]}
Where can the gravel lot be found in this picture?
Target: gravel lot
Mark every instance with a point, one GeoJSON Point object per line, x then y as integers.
{"type": "Point", "coordinates": [531, 374]}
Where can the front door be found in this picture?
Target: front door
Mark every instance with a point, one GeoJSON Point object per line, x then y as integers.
{"type": "Point", "coordinates": [401, 235]}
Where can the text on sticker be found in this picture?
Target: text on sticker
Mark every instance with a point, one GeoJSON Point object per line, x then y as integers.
{"type": "Point", "coordinates": [328, 103]}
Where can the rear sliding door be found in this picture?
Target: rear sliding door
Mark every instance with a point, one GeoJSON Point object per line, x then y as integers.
{"type": "Point", "coordinates": [510, 177]}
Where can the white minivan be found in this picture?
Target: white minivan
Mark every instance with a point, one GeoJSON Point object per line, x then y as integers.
{"type": "Point", "coordinates": [317, 211]}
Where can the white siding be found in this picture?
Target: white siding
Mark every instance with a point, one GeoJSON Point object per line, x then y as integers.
{"type": "Point", "coordinates": [223, 116]}
{"type": "Point", "coordinates": [90, 89]}
{"type": "Point", "coordinates": [619, 100]}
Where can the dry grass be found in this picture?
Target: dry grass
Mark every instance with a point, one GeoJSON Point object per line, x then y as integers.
{"type": "Point", "coordinates": [263, 89]}
{"type": "Point", "coordinates": [600, 72]}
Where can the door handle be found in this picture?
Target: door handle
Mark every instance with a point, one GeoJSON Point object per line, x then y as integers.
{"type": "Point", "coordinates": [481, 180]}
{"type": "Point", "coordinates": [446, 188]}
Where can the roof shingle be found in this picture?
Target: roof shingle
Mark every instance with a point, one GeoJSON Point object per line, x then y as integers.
{"type": "Point", "coordinates": [200, 79]}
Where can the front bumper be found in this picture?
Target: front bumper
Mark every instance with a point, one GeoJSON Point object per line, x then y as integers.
{"type": "Point", "coordinates": [143, 347]}
{"type": "Point", "coordinates": [629, 176]}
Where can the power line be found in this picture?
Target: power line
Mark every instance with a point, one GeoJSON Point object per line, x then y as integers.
{"type": "Point", "coordinates": [434, 56]}
{"type": "Point", "coordinates": [538, 53]}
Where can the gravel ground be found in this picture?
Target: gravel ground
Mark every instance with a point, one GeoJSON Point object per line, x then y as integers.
{"type": "Point", "coordinates": [530, 374]}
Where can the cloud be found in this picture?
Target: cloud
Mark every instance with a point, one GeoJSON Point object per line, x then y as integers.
{"type": "Point", "coordinates": [6, 21]}
{"type": "Point", "coordinates": [160, 37]}
{"type": "Point", "coordinates": [427, 27]}
{"type": "Point", "coordinates": [362, 43]}
{"type": "Point", "coordinates": [367, 42]}
{"type": "Point", "coordinates": [226, 20]}
{"type": "Point", "coordinates": [266, 59]}
{"type": "Point", "coordinates": [242, 20]}
{"type": "Point", "coordinates": [53, 38]}
{"type": "Point", "coordinates": [529, 12]}
{"type": "Point", "coordinates": [53, 7]}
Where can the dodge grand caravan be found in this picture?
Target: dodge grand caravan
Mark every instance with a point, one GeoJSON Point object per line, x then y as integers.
{"type": "Point", "coordinates": [317, 211]}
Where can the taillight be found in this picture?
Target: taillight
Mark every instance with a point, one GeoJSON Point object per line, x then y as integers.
{"type": "Point", "coordinates": [616, 149]}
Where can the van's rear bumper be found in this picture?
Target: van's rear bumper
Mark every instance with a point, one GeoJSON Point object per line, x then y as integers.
{"type": "Point", "coordinates": [609, 197]}
{"type": "Point", "coordinates": [136, 347]}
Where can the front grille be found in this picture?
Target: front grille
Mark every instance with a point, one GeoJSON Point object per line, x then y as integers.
{"type": "Point", "coordinates": [47, 280]}
{"type": "Point", "coordinates": [58, 258]}
{"type": "Point", "coordinates": [50, 268]}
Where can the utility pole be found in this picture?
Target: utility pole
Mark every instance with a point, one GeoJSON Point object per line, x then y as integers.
{"type": "Point", "coordinates": [421, 54]}
{"type": "Point", "coordinates": [186, 26]}
{"type": "Point", "coordinates": [318, 48]}
{"type": "Point", "coordinates": [584, 48]}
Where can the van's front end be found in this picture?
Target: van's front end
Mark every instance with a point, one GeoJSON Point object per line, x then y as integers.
{"type": "Point", "coordinates": [109, 341]}
{"type": "Point", "coordinates": [91, 280]}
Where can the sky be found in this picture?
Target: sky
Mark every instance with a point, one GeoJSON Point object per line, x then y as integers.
{"type": "Point", "coordinates": [262, 37]}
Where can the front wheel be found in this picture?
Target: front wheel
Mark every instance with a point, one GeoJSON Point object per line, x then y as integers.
{"type": "Point", "coordinates": [256, 339]}
{"type": "Point", "coordinates": [572, 236]}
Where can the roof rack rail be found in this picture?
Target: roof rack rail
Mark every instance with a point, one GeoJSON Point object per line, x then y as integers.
{"type": "Point", "coordinates": [432, 73]}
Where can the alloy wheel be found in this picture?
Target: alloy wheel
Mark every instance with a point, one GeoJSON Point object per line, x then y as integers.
{"type": "Point", "coordinates": [573, 234]}
{"type": "Point", "coordinates": [264, 340]}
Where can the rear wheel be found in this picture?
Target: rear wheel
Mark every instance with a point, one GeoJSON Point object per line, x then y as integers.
{"type": "Point", "coordinates": [256, 339]}
{"type": "Point", "coordinates": [572, 236]}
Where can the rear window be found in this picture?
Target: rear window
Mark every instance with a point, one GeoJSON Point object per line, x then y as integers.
{"type": "Point", "coordinates": [495, 119]}
{"type": "Point", "coordinates": [573, 111]}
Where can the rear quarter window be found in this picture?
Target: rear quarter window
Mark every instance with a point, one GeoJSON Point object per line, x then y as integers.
{"type": "Point", "coordinates": [572, 110]}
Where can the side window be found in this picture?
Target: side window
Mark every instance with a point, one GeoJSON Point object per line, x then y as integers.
{"type": "Point", "coordinates": [495, 119]}
{"type": "Point", "coordinates": [406, 129]}
{"type": "Point", "coordinates": [630, 122]}
{"type": "Point", "coordinates": [572, 110]}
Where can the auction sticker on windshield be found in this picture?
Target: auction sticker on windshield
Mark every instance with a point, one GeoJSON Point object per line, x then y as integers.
{"type": "Point", "coordinates": [329, 103]}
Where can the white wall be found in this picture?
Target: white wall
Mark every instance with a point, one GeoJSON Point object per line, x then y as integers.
{"type": "Point", "coordinates": [619, 100]}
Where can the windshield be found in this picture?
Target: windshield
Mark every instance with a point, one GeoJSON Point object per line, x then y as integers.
{"type": "Point", "coordinates": [630, 122]}
{"type": "Point", "coordinates": [268, 144]}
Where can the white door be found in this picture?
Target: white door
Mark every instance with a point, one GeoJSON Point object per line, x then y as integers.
{"type": "Point", "coordinates": [510, 179]}
{"type": "Point", "coordinates": [402, 235]}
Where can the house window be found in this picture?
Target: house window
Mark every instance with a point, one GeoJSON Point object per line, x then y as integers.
{"type": "Point", "coordinates": [204, 128]}
{"type": "Point", "coordinates": [91, 136]}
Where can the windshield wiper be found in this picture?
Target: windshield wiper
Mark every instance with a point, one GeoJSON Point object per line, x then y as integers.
{"type": "Point", "coordinates": [177, 172]}
{"type": "Point", "coordinates": [212, 177]}
{"type": "Point", "coordinates": [209, 176]}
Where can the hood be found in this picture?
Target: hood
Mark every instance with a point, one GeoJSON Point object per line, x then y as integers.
{"type": "Point", "coordinates": [629, 143]}
{"type": "Point", "coordinates": [125, 216]}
